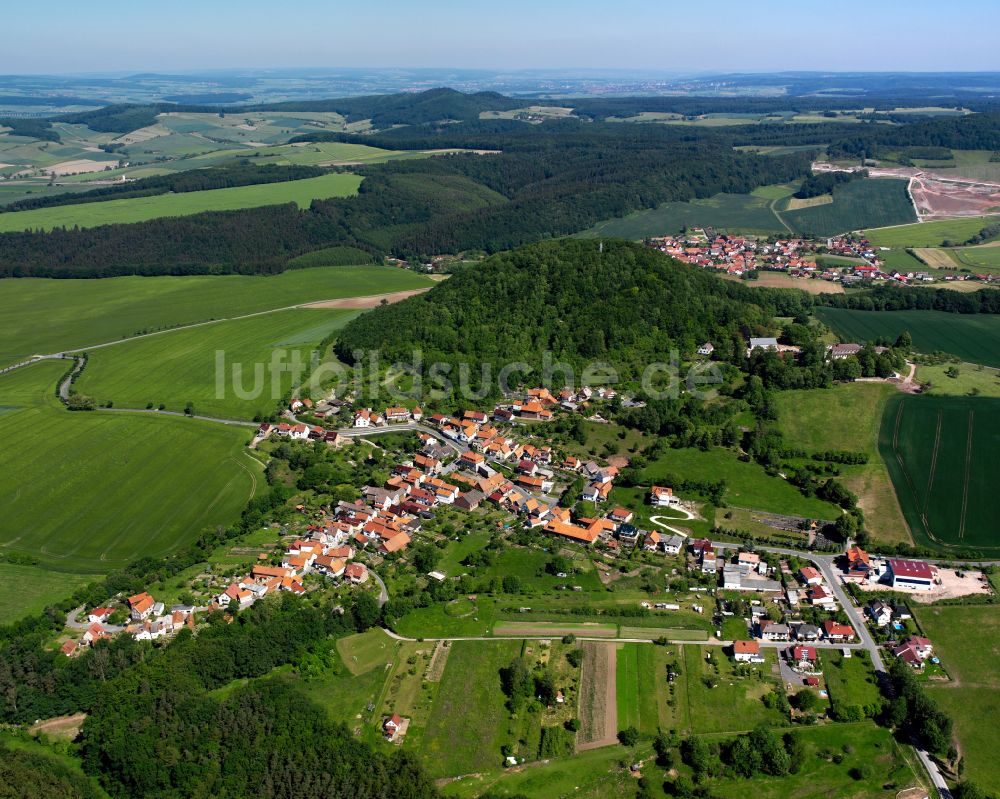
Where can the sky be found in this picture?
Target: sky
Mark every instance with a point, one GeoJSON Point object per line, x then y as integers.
{"type": "Point", "coordinates": [72, 36]}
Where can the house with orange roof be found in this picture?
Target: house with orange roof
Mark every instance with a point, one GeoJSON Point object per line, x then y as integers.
{"type": "Point", "coordinates": [141, 605]}
{"type": "Point", "coordinates": [662, 497]}
{"type": "Point", "coordinates": [357, 573]}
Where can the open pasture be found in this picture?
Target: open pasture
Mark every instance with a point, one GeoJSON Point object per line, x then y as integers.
{"type": "Point", "coordinates": [979, 259]}
{"type": "Point", "coordinates": [972, 337]}
{"type": "Point", "coordinates": [81, 313]}
{"type": "Point", "coordinates": [941, 454]}
{"type": "Point", "coordinates": [141, 209]}
{"type": "Point", "coordinates": [92, 491]}
{"type": "Point", "coordinates": [231, 369]}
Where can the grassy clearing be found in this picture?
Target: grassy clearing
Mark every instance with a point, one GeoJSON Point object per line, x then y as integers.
{"type": "Point", "coordinates": [731, 703]}
{"type": "Point", "coordinates": [971, 337]}
{"type": "Point", "coordinates": [183, 366]}
{"type": "Point", "coordinates": [929, 234]}
{"type": "Point", "coordinates": [851, 680]}
{"type": "Point", "coordinates": [366, 651]}
{"type": "Point", "coordinates": [25, 590]}
{"type": "Point", "coordinates": [531, 628]}
{"type": "Point", "coordinates": [847, 417]}
{"type": "Point", "coordinates": [941, 455]}
{"type": "Point", "coordinates": [971, 380]}
{"type": "Point", "coordinates": [92, 491]}
{"type": "Point", "coordinates": [858, 204]}
{"type": "Point", "coordinates": [748, 485]}
{"type": "Point", "coordinates": [965, 638]}
{"type": "Point", "coordinates": [984, 258]}
{"type": "Point", "coordinates": [465, 729]}
{"type": "Point", "coordinates": [81, 313]}
{"type": "Point", "coordinates": [142, 209]}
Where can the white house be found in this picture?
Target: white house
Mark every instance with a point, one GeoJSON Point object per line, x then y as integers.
{"type": "Point", "coordinates": [747, 652]}
{"type": "Point", "coordinates": [661, 497]}
{"type": "Point", "coordinates": [706, 349]}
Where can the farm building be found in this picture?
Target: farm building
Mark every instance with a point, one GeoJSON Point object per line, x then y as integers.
{"type": "Point", "coordinates": [913, 574]}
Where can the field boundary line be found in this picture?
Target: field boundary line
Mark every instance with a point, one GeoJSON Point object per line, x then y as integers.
{"type": "Point", "coordinates": [934, 459]}
{"type": "Point", "coordinates": [968, 474]}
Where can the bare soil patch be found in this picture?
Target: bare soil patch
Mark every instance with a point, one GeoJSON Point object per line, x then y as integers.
{"type": "Point", "coordinates": [366, 302]}
{"type": "Point", "coordinates": [779, 280]}
{"type": "Point", "coordinates": [598, 696]}
{"type": "Point", "coordinates": [438, 661]}
{"type": "Point", "coordinates": [794, 203]}
{"type": "Point", "coordinates": [79, 166]}
{"type": "Point", "coordinates": [63, 727]}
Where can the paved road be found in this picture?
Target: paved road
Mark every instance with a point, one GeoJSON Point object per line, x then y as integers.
{"type": "Point", "coordinates": [383, 594]}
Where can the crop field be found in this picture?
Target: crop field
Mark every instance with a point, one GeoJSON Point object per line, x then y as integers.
{"type": "Point", "coordinates": [141, 209]}
{"type": "Point", "coordinates": [466, 726]}
{"type": "Point", "coordinates": [941, 454]}
{"type": "Point", "coordinates": [858, 204]}
{"type": "Point", "coordinates": [733, 212]}
{"type": "Point", "coordinates": [25, 590]}
{"type": "Point", "coordinates": [234, 370]}
{"type": "Point", "coordinates": [929, 234]}
{"type": "Point", "coordinates": [731, 703]}
{"type": "Point", "coordinates": [966, 639]}
{"type": "Point", "coordinates": [971, 337]}
{"type": "Point", "coordinates": [113, 486]}
{"type": "Point", "coordinates": [81, 313]}
{"type": "Point", "coordinates": [748, 485]}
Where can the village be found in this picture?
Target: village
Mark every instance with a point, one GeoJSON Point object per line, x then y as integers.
{"type": "Point", "coordinates": [854, 260]}
{"type": "Point", "coordinates": [797, 602]}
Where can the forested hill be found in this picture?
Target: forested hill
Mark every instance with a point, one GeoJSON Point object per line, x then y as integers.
{"type": "Point", "coordinates": [627, 305]}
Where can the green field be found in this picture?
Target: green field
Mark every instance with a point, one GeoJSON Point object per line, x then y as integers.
{"type": "Point", "coordinates": [851, 681]}
{"type": "Point", "coordinates": [733, 703]}
{"type": "Point", "coordinates": [642, 690]}
{"type": "Point", "coordinates": [965, 640]}
{"type": "Point", "coordinates": [971, 380]}
{"type": "Point", "coordinates": [599, 774]}
{"type": "Point", "coordinates": [971, 337]}
{"type": "Point", "coordinates": [985, 257]}
{"type": "Point", "coordinates": [858, 204]}
{"type": "Point", "coordinates": [92, 491]}
{"type": "Point", "coordinates": [847, 417]}
{"type": "Point", "coordinates": [81, 313]}
{"type": "Point", "coordinates": [141, 209]}
{"type": "Point", "coordinates": [744, 212]}
{"type": "Point", "coordinates": [941, 454]}
{"type": "Point", "coordinates": [929, 234]}
{"type": "Point", "coordinates": [748, 485]}
{"type": "Point", "coordinates": [25, 590]}
{"type": "Point", "coordinates": [183, 366]}
{"type": "Point", "coordinates": [467, 724]}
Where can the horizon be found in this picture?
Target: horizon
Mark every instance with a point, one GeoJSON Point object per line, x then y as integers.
{"type": "Point", "coordinates": [640, 35]}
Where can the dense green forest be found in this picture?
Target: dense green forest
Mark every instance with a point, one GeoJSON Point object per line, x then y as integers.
{"type": "Point", "coordinates": [915, 298]}
{"type": "Point", "coordinates": [545, 183]}
{"type": "Point", "coordinates": [40, 129]}
{"type": "Point", "coordinates": [243, 173]}
{"type": "Point", "coordinates": [27, 774]}
{"type": "Point", "coordinates": [621, 303]}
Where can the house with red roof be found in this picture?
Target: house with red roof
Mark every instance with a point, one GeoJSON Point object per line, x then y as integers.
{"type": "Point", "coordinates": [747, 652]}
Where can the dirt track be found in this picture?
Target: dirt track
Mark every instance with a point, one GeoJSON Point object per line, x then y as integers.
{"type": "Point", "coordinates": [365, 302]}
